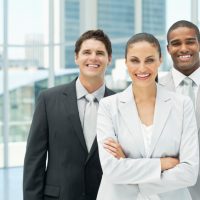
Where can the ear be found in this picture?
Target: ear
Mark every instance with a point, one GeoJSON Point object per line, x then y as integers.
{"type": "Point", "coordinates": [125, 61]}
{"type": "Point", "coordinates": [109, 60]}
{"type": "Point", "coordinates": [76, 58]}
{"type": "Point", "coordinates": [161, 60]}
{"type": "Point", "coordinates": [168, 48]}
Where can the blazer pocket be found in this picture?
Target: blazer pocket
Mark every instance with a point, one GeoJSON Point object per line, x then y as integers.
{"type": "Point", "coordinates": [52, 191]}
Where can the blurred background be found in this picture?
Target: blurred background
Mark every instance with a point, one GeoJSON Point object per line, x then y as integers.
{"type": "Point", "coordinates": [37, 40]}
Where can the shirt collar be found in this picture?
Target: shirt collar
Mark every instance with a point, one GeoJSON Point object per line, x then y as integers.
{"type": "Point", "coordinates": [81, 91]}
{"type": "Point", "coordinates": [178, 77]}
{"type": "Point", "coordinates": [195, 76]}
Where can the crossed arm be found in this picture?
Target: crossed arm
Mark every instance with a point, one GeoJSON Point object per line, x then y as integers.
{"type": "Point", "coordinates": [115, 149]}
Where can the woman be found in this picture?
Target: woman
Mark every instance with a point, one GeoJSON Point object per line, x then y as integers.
{"type": "Point", "coordinates": [155, 128]}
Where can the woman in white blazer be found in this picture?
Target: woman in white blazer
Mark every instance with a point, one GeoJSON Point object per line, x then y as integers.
{"type": "Point", "coordinates": [155, 128]}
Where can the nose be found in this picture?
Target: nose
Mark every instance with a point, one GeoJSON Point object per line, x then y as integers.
{"type": "Point", "coordinates": [142, 66]}
{"type": "Point", "coordinates": [93, 56]}
{"type": "Point", "coordinates": [184, 48]}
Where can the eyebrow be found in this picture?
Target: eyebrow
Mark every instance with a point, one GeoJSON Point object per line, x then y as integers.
{"type": "Point", "coordinates": [100, 51]}
{"type": "Point", "coordinates": [151, 56]}
{"type": "Point", "coordinates": [187, 39]}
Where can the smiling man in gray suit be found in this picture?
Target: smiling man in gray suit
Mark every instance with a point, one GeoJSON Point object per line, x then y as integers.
{"type": "Point", "coordinates": [183, 39]}
{"type": "Point", "coordinates": [72, 170]}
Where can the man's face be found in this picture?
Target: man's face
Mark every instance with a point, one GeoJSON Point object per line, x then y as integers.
{"type": "Point", "coordinates": [184, 49]}
{"type": "Point", "coordinates": [92, 59]}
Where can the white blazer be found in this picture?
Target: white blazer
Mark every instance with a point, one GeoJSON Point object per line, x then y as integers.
{"type": "Point", "coordinates": [174, 135]}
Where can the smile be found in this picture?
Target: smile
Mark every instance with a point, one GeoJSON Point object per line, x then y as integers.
{"type": "Point", "coordinates": [184, 57]}
{"type": "Point", "coordinates": [93, 65]}
{"type": "Point", "coordinates": [142, 75]}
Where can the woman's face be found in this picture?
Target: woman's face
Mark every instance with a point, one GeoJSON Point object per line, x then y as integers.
{"type": "Point", "coordinates": [142, 61]}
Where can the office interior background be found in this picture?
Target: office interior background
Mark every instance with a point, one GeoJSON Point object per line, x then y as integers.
{"type": "Point", "coordinates": [37, 40]}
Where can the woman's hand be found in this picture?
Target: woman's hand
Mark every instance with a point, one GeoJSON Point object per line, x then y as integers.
{"type": "Point", "coordinates": [168, 163]}
{"type": "Point", "coordinates": [113, 148]}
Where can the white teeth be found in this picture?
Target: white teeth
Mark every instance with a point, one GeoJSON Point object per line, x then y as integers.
{"type": "Point", "coordinates": [142, 75]}
{"type": "Point", "coordinates": [93, 65]}
{"type": "Point", "coordinates": [185, 56]}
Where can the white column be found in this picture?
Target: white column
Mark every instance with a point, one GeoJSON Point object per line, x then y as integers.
{"type": "Point", "coordinates": [194, 11]}
{"type": "Point", "coordinates": [88, 15]}
{"type": "Point", "coordinates": [138, 16]}
{"type": "Point", "coordinates": [6, 102]}
{"type": "Point", "coordinates": [62, 34]}
{"type": "Point", "coordinates": [51, 44]}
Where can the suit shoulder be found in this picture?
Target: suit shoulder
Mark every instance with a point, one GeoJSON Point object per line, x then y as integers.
{"type": "Point", "coordinates": [177, 97]}
{"type": "Point", "coordinates": [165, 78]}
{"type": "Point", "coordinates": [109, 100]}
{"type": "Point", "coordinates": [57, 89]}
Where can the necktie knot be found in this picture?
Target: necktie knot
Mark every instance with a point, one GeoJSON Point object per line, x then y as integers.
{"type": "Point", "coordinates": [188, 82]}
{"type": "Point", "coordinates": [90, 97]}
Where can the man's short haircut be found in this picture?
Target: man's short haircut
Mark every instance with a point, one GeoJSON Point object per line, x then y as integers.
{"type": "Point", "coordinates": [97, 35]}
{"type": "Point", "coordinates": [183, 23]}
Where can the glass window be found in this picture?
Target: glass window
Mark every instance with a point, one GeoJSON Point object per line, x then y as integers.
{"type": "Point", "coordinates": [25, 18]}
{"type": "Point", "coordinates": [173, 14]}
{"type": "Point", "coordinates": [1, 84]}
{"type": "Point", "coordinates": [1, 25]}
{"type": "Point", "coordinates": [27, 63]}
{"type": "Point", "coordinates": [29, 55]}
{"type": "Point", "coordinates": [71, 30]}
{"type": "Point", "coordinates": [116, 18]}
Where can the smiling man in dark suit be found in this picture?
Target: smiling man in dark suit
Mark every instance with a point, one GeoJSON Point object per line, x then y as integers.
{"type": "Point", "coordinates": [72, 170]}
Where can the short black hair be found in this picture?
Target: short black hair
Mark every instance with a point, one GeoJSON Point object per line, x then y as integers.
{"type": "Point", "coordinates": [183, 23]}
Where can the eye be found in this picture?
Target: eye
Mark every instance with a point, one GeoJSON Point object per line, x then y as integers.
{"type": "Point", "coordinates": [175, 44]}
{"type": "Point", "coordinates": [149, 61]}
{"type": "Point", "coordinates": [86, 52]}
{"type": "Point", "coordinates": [100, 53]}
{"type": "Point", "coordinates": [191, 42]}
{"type": "Point", "coordinates": [134, 61]}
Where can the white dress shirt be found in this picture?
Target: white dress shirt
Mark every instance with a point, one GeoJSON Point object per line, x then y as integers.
{"type": "Point", "coordinates": [178, 78]}
{"type": "Point", "coordinates": [147, 132]}
{"type": "Point", "coordinates": [81, 92]}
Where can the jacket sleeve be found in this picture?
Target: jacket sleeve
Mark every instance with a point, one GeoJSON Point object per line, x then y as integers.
{"type": "Point", "coordinates": [121, 171]}
{"type": "Point", "coordinates": [36, 153]}
{"type": "Point", "coordinates": [184, 174]}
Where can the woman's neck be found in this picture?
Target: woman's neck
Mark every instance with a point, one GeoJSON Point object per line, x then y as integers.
{"type": "Point", "coordinates": [144, 93]}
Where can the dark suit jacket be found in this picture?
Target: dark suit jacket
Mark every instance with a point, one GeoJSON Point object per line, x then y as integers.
{"type": "Point", "coordinates": [56, 138]}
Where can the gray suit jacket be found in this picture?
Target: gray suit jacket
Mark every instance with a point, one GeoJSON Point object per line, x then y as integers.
{"type": "Point", "coordinates": [174, 134]}
{"type": "Point", "coordinates": [167, 81]}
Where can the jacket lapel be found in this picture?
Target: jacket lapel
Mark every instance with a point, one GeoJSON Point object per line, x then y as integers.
{"type": "Point", "coordinates": [198, 109]}
{"type": "Point", "coordinates": [128, 111]}
{"type": "Point", "coordinates": [71, 107]}
{"type": "Point", "coordinates": [168, 82]}
{"type": "Point", "coordinates": [161, 114]}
